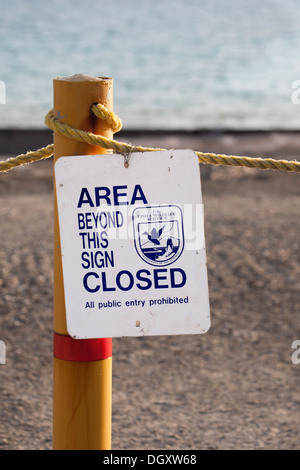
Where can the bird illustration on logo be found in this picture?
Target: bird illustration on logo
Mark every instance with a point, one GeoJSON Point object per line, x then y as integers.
{"type": "Point", "coordinates": [155, 235]}
{"type": "Point", "coordinates": [158, 234]}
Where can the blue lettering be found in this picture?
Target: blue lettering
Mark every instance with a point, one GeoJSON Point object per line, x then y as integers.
{"type": "Point", "coordinates": [102, 195]}
{"type": "Point", "coordinates": [180, 282]}
{"type": "Point", "coordinates": [118, 280]}
{"type": "Point", "coordinates": [124, 280]}
{"type": "Point", "coordinates": [105, 288]}
{"type": "Point", "coordinates": [117, 195]}
{"type": "Point", "coordinates": [138, 195]}
{"type": "Point", "coordinates": [85, 198]}
{"type": "Point", "coordinates": [99, 196]}
{"type": "Point", "coordinates": [85, 282]}
{"type": "Point", "coordinates": [157, 278]}
{"type": "Point", "coordinates": [81, 223]}
{"type": "Point", "coordinates": [143, 279]}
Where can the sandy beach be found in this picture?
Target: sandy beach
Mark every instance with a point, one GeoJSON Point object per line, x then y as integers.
{"type": "Point", "coordinates": [234, 387]}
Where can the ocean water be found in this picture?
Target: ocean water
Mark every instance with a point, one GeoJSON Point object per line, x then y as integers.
{"type": "Point", "coordinates": [176, 64]}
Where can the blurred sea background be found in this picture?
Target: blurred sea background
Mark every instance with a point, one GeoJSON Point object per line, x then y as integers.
{"type": "Point", "coordinates": [176, 64]}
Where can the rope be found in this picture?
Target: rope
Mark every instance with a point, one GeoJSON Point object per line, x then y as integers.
{"type": "Point", "coordinates": [90, 138]}
{"type": "Point", "coordinates": [214, 159]}
{"type": "Point", "coordinates": [114, 122]}
{"type": "Point", "coordinates": [101, 112]}
{"type": "Point", "coordinates": [28, 157]}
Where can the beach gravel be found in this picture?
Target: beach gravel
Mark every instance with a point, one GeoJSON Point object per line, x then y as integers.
{"type": "Point", "coordinates": [232, 388]}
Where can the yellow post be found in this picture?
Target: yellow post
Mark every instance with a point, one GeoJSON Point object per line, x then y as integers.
{"type": "Point", "coordinates": [82, 369]}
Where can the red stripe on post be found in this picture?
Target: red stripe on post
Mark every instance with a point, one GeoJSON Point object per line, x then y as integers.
{"type": "Point", "coordinates": [81, 350]}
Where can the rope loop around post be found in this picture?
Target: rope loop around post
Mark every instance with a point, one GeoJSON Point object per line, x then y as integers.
{"type": "Point", "coordinates": [101, 112]}
{"type": "Point", "coordinates": [210, 158]}
{"type": "Point", "coordinates": [115, 123]}
{"type": "Point", "coordinates": [82, 136]}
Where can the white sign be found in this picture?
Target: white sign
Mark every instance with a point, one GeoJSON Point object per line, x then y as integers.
{"type": "Point", "coordinates": [132, 243]}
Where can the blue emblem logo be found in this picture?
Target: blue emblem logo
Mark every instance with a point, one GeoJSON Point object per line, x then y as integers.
{"type": "Point", "coordinates": [158, 233]}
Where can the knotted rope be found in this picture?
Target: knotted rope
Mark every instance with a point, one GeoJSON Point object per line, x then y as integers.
{"type": "Point", "coordinates": [114, 122]}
